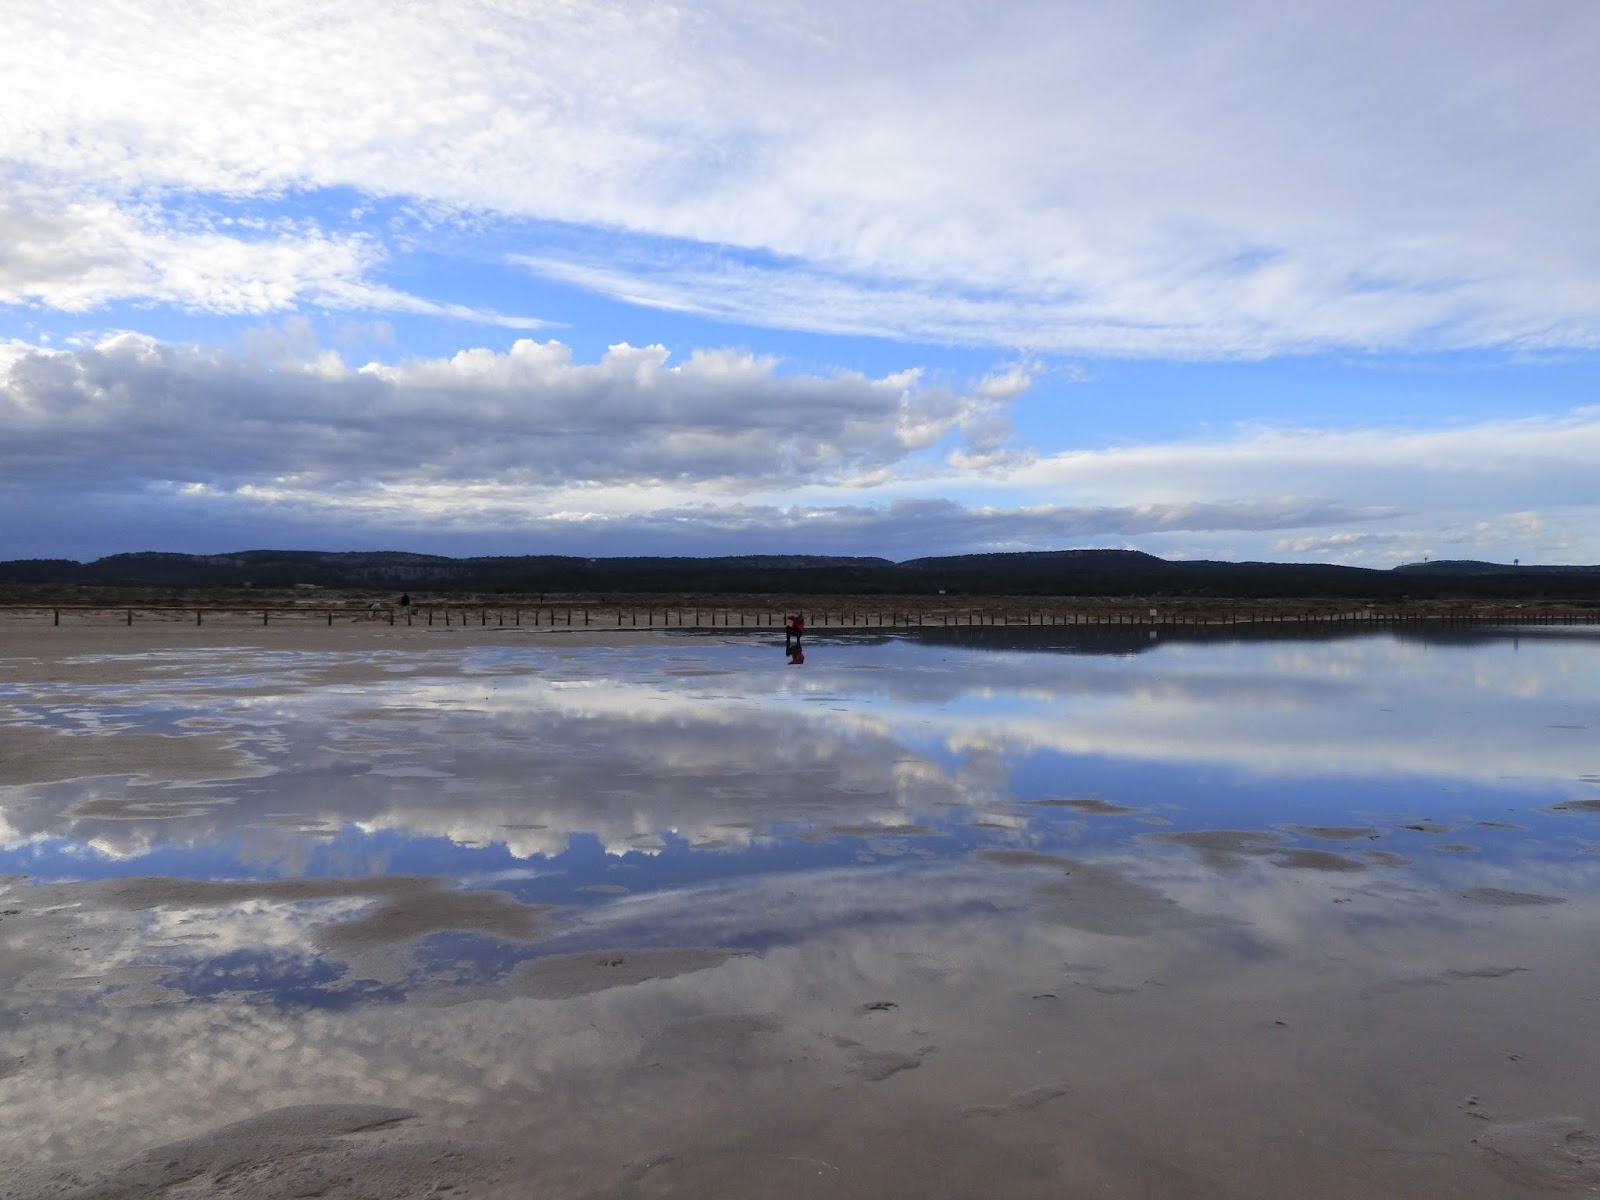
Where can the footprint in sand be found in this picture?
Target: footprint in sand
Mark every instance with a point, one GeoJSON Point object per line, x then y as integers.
{"type": "Point", "coordinates": [307, 1150]}
{"type": "Point", "coordinates": [1442, 979]}
{"type": "Point", "coordinates": [1022, 1101]}
{"type": "Point", "coordinates": [877, 1065]}
{"type": "Point", "coordinates": [1549, 1153]}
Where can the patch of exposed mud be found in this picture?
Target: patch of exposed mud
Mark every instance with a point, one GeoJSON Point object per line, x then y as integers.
{"type": "Point", "coordinates": [1567, 806]}
{"type": "Point", "coordinates": [1098, 899]}
{"type": "Point", "coordinates": [1317, 860]}
{"type": "Point", "coordinates": [411, 914]}
{"type": "Point", "coordinates": [1336, 833]}
{"type": "Point", "coordinates": [1442, 979]}
{"type": "Point", "coordinates": [561, 976]}
{"type": "Point", "coordinates": [409, 906]}
{"type": "Point", "coordinates": [1508, 899]}
{"type": "Point", "coordinates": [864, 831]}
{"type": "Point", "coordinates": [1386, 858]}
{"type": "Point", "coordinates": [1100, 808]}
{"type": "Point", "coordinates": [1022, 858]}
{"type": "Point", "coordinates": [1224, 849]}
{"type": "Point", "coordinates": [30, 754]}
{"type": "Point", "coordinates": [154, 808]}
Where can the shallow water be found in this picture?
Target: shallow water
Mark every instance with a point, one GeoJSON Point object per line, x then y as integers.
{"type": "Point", "coordinates": [1031, 912]}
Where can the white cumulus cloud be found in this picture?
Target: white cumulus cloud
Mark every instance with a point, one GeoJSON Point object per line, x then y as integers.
{"type": "Point", "coordinates": [136, 411]}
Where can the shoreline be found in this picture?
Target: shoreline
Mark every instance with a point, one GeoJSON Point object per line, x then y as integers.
{"type": "Point", "coordinates": [48, 647]}
{"type": "Point", "coordinates": [637, 614]}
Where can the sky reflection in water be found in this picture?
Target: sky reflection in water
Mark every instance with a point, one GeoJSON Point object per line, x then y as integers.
{"type": "Point", "coordinates": [1240, 902]}
{"type": "Point", "coordinates": [577, 777]}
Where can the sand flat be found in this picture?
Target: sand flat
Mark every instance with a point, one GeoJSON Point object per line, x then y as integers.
{"type": "Point", "coordinates": [579, 915]}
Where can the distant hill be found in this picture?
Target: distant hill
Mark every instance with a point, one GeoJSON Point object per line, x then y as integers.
{"type": "Point", "coordinates": [1057, 572]}
{"type": "Point", "coordinates": [1469, 566]}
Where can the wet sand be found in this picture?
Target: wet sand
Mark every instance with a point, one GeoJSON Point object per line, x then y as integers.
{"type": "Point", "coordinates": [47, 654]}
{"type": "Point", "coordinates": [1193, 1013]}
{"type": "Point", "coordinates": [773, 1082]}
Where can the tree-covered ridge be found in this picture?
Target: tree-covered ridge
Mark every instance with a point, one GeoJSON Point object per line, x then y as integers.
{"type": "Point", "coordinates": [1062, 572]}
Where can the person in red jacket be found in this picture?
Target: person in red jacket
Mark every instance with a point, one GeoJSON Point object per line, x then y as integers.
{"type": "Point", "coordinates": [794, 627]}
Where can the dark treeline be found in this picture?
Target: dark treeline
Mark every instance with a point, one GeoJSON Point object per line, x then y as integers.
{"type": "Point", "coordinates": [1051, 573]}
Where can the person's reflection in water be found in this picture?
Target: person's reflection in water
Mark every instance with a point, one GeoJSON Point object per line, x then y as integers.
{"type": "Point", "coordinates": [794, 627]}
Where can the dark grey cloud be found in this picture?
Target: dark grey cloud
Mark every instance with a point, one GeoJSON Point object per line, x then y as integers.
{"type": "Point", "coordinates": [88, 526]}
{"type": "Point", "coordinates": [140, 412]}
{"type": "Point", "coordinates": [910, 527]}
{"type": "Point", "coordinates": [136, 444]}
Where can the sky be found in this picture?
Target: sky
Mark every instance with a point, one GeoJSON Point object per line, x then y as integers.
{"type": "Point", "coordinates": [1246, 280]}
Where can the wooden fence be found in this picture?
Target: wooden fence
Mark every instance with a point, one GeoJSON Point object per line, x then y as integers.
{"type": "Point", "coordinates": [620, 617]}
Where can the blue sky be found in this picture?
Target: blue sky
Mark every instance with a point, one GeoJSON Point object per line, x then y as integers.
{"type": "Point", "coordinates": [1306, 282]}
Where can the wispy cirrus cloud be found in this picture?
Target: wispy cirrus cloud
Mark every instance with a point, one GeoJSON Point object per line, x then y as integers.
{"type": "Point", "coordinates": [1144, 180]}
{"type": "Point", "coordinates": [1543, 460]}
{"type": "Point", "coordinates": [74, 251]}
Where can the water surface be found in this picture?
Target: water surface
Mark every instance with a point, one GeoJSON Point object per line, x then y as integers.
{"type": "Point", "coordinates": [1027, 912]}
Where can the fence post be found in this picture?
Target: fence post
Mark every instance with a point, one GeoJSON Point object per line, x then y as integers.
{"type": "Point", "coordinates": [58, 616]}
{"type": "Point", "coordinates": [330, 618]}
{"type": "Point", "coordinates": [197, 616]}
